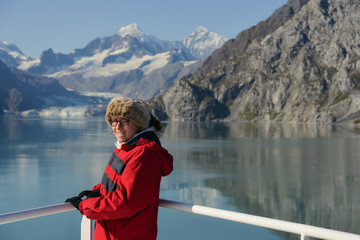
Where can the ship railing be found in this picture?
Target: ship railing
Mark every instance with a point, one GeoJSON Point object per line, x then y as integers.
{"type": "Point", "coordinates": [304, 231]}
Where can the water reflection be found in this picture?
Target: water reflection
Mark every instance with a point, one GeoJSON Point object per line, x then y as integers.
{"type": "Point", "coordinates": [216, 130]}
{"type": "Point", "coordinates": [296, 172]}
{"type": "Point", "coordinates": [45, 159]}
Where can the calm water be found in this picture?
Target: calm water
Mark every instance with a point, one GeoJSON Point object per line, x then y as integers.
{"type": "Point", "coordinates": [301, 173]}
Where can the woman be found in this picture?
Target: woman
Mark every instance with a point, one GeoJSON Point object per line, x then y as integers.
{"type": "Point", "coordinates": [125, 203]}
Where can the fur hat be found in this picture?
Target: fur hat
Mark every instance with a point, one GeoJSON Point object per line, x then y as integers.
{"type": "Point", "coordinates": [129, 109]}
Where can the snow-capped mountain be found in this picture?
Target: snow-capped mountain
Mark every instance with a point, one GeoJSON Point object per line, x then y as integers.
{"type": "Point", "coordinates": [201, 43]}
{"type": "Point", "coordinates": [129, 62]}
{"type": "Point", "coordinates": [26, 94]}
{"type": "Point", "coordinates": [11, 55]}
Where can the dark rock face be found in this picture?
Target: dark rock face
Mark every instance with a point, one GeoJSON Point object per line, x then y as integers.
{"type": "Point", "coordinates": [301, 64]}
{"type": "Point", "coordinates": [20, 90]}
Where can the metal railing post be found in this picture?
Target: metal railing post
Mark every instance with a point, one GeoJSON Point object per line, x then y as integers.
{"type": "Point", "coordinates": [304, 237]}
{"type": "Point", "coordinates": [86, 228]}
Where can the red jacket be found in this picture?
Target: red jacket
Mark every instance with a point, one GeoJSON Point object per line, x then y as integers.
{"type": "Point", "coordinates": [128, 205]}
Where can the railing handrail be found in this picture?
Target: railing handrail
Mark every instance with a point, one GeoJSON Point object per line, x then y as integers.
{"type": "Point", "coordinates": [270, 223]}
{"type": "Point", "coordinates": [275, 224]}
{"type": "Point", "coordinates": [35, 212]}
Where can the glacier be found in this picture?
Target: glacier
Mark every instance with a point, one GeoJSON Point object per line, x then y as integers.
{"type": "Point", "coordinates": [82, 104]}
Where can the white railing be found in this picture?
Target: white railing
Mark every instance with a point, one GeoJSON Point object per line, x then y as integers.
{"type": "Point", "coordinates": [305, 231]}
{"type": "Point", "coordinates": [34, 213]}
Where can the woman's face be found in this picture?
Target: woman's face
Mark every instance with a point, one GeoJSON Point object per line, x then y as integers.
{"type": "Point", "coordinates": [123, 129]}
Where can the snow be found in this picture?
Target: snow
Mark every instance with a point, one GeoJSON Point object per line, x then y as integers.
{"type": "Point", "coordinates": [83, 64]}
{"type": "Point", "coordinates": [92, 67]}
{"type": "Point", "coordinates": [4, 45]}
{"type": "Point", "coordinates": [131, 30]}
{"type": "Point", "coordinates": [108, 95]}
{"type": "Point", "coordinates": [132, 64]}
{"type": "Point", "coordinates": [85, 104]}
{"type": "Point", "coordinates": [124, 49]}
{"type": "Point", "coordinates": [200, 44]}
{"type": "Point", "coordinates": [157, 62]}
{"type": "Point", "coordinates": [112, 69]}
{"type": "Point", "coordinates": [57, 112]}
{"type": "Point", "coordinates": [18, 56]}
{"type": "Point", "coordinates": [187, 63]}
{"type": "Point", "coordinates": [26, 65]}
{"type": "Point", "coordinates": [13, 51]}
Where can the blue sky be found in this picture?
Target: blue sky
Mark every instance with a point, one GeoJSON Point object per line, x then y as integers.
{"type": "Point", "coordinates": [63, 25]}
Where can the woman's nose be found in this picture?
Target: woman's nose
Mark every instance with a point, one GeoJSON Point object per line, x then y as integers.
{"type": "Point", "coordinates": [118, 125]}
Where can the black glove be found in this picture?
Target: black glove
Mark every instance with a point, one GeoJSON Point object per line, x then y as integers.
{"type": "Point", "coordinates": [90, 193]}
{"type": "Point", "coordinates": [75, 201]}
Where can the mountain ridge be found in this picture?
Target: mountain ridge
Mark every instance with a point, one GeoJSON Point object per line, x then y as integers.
{"type": "Point", "coordinates": [124, 62]}
{"type": "Point", "coordinates": [26, 94]}
{"type": "Point", "coordinates": [21, 91]}
{"type": "Point", "coordinates": [11, 55]}
{"type": "Point", "coordinates": [296, 71]}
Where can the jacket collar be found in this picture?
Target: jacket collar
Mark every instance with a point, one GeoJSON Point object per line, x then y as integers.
{"type": "Point", "coordinates": [148, 134]}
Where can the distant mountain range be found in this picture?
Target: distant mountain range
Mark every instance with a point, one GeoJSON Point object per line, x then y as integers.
{"type": "Point", "coordinates": [11, 55]}
{"type": "Point", "coordinates": [129, 63]}
{"type": "Point", "coordinates": [300, 65]}
{"type": "Point", "coordinates": [29, 94]}
{"type": "Point", "coordinates": [21, 91]}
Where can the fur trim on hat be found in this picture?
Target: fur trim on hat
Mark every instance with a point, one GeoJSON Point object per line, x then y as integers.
{"type": "Point", "coordinates": [130, 109]}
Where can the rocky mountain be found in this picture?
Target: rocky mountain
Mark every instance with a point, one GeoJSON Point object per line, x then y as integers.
{"type": "Point", "coordinates": [27, 94]}
{"type": "Point", "coordinates": [11, 55]}
{"type": "Point", "coordinates": [302, 64]}
{"type": "Point", "coordinates": [201, 43]}
{"type": "Point", "coordinates": [21, 91]}
{"type": "Point", "coordinates": [129, 62]}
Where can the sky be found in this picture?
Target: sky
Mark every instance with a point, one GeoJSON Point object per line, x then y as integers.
{"type": "Point", "coordinates": [37, 25]}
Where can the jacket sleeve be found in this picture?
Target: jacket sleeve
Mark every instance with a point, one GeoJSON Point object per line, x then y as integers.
{"type": "Point", "coordinates": [138, 187]}
{"type": "Point", "coordinates": [97, 187]}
